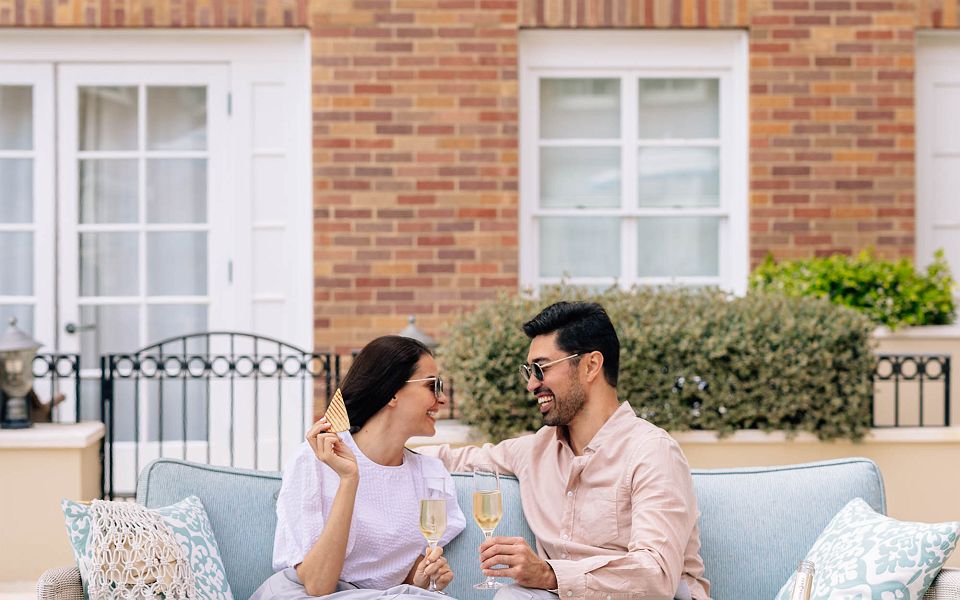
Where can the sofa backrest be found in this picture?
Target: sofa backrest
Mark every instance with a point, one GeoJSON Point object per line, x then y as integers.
{"type": "Point", "coordinates": [755, 524]}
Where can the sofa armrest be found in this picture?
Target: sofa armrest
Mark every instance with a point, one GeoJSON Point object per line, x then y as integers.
{"type": "Point", "coordinates": [945, 587]}
{"type": "Point", "coordinates": [62, 583]}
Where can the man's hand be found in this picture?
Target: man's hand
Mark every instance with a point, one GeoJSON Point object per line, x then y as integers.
{"type": "Point", "coordinates": [523, 564]}
{"type": "Point", "coordinates": [432, 564]}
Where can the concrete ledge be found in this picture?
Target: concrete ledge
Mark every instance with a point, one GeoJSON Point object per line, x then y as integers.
{"type": "Point", "coordinates": [53, 435]}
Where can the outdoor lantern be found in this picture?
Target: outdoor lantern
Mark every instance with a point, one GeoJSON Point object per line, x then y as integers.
{"type": "Point", "coordinates": [412, 331]}
{"type": "Point", "coordinates": [17, 350]}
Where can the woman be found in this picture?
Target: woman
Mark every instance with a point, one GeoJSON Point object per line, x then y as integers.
{"type": "Point", "coordinates": [348, 509]}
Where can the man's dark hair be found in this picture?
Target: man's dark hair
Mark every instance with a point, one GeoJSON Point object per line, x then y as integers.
{"type": "Point", "coordinates": [581, 327]}
{"type": "Point", "coordinates": [377, 374]}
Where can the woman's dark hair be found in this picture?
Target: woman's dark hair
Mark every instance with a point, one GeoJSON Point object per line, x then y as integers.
{"type": "Point", "coordinates": [581, 327]}
{"type": "Point", "coordinates": [377, 374]}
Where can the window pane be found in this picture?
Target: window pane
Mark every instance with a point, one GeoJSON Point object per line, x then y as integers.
{"type": "Point", "coordinates": [678, 246]}
{"type": "Point", "coordinates": [177, 263]}
{"type": "Point", "coordinates": [679, 108]}
{"type": "Point", "coordinates": [108, 118]}
{"type": "Point", "coordinates": [108, 329]}
{"type": "Point", "coordinates": [171, 320]}
{"type": "Point", "coordinates": [176, 118]}
{"type": "Point", "coordinates": [579, 177]}
{"type": "Point", "coordinates": [579, 108]}
{"type": "Point", "coordinates": [579, 247]}
{"type": "Point", "coordinates": [177, 190]}
{"type": "Point", "coordinates": [108, 264]}
{"type": "Point", "coordinates": [16, 117]}
{"type": "Point", "coordinates": [16, 183]}
{"type": "Point", "coordinates": [23, 314]}
{"type": "Point", "coordinates": [108, 191]}
{"type": "Point", "coordinates": [16, 264]}
{"type": "Point", "coordinates": [678, 177]}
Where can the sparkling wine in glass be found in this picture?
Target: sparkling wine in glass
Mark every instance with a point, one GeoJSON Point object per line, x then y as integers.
{"type": "Point", "coordinates": [433, 516]}
{"type": "Point", "coordinates": [487, 509]}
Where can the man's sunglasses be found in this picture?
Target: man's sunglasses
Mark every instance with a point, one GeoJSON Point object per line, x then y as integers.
{"type": "Point", "coordinates": [536, 369]}
{"type": "Point", "coordinates": [437, 384]}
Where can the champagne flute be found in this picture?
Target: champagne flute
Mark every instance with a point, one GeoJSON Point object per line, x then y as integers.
{"type": "Point", "coordinates": [433, 516]}
{"type": "Point", "coordinates": [487, 509]}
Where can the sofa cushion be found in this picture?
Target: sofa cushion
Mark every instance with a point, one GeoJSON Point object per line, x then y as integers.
{"type": "Point", "coordinates": [241, 507]}
{"type": "Point", "coordinates": [141, 556]}
{"type": "Point", "coordinates": [863, 554]}
{"type": "Point", "coordinates": [756, 524]}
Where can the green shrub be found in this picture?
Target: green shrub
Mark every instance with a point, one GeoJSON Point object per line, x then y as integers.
{"type": "Point", "coordinates": [770, 362]}
{"type": "Point", "coordinates": [890, 293]}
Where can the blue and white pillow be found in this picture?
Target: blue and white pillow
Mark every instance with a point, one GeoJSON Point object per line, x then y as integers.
{"type": "Point", "coordinates": [190, 525]}
{"type": "Point", "coordinates": [863, 555]}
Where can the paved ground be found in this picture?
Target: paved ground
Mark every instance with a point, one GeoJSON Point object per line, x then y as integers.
{"type": "Point", "coordinates": [18, 590]}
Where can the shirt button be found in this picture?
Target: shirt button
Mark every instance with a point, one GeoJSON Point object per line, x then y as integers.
{"type": "Point", "coordinates": [609, 597]}
{"type": "Point", "coordinates": [569, 593]}
{"type": "Point", "coordinates": [569, 494]}
{"type": "Point", "coordinates": [564, 536]}
{"type": "Point", "coordinates": [564, 555]}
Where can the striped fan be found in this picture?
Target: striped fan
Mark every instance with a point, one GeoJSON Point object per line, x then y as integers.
{"type": "Point", "coordinates": [337, 414]}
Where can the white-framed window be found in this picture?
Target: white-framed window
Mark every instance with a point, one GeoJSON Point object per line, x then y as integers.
{"type": "Point", "coordinates": [633, 158]}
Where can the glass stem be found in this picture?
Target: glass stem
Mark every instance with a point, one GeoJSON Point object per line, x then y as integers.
{"type": "Point", "coordinates": [433, 582]}
{"type": "Point", "coordinates": [486, 536]}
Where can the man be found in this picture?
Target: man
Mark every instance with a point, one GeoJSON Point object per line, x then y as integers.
{"type": "Point", "coordinates": [608, 495]}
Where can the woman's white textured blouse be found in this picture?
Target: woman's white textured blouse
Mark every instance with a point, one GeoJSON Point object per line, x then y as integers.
{"type": "Point", "coordinates": [385, 538]}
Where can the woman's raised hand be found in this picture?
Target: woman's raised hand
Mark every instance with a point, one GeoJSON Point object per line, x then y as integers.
{"type": "Point", "coordinates": [433, 564]}
{"type": "Point", "coordinates": [333, 452]}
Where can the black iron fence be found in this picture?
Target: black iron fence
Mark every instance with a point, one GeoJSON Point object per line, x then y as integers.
{"type": "Point", "coordinates": [238, 399]}
{"type": "Point", "coordinates": [912, 390]}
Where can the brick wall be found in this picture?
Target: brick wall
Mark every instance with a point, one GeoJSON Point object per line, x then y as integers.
{"type": "Point", "coordinates": [415, 153]}
{"type": "Point", "coordinates": [415, 131]}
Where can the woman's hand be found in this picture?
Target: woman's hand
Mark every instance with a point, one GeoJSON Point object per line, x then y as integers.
{"type": "Point", "coordinates": [433, 564]}
{"type": "Point", "coordinates": [329, 449]}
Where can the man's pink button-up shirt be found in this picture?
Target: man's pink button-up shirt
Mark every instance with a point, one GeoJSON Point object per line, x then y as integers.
{"type": "Point", "coordinates": [618, 522]}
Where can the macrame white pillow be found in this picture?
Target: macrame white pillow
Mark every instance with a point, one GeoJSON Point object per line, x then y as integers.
{"type": "Point", "coordinates": [127, 551]}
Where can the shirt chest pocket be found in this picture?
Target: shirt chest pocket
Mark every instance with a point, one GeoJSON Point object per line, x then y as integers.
{"type": "Point", "coordinates": [599, 518]}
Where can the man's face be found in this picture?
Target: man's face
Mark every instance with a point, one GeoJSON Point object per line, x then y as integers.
{"type": "Point", "coordinates": [560, 395]}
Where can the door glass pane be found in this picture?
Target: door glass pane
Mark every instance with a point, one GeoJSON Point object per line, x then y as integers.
{"type": "Point", "coordinates": [108, 118]}
{"type": "Point", "coordinates": [16, 190]}
{"type": "Point", "coordinates": [678, 247]}
{"type": "Point", "coordinates": [679, 108]}
{"type": "Point", "coordinates": [16, 117]}
{"type": "Point", "coordinates": [176, 118]}
{"type": "Point", "coordinates": [108, 329]}
{"type": "Point", "coordinates": [580, 247]}
{"type": "Point", "coordinates": [177, 190]}
{"type": "Point", "coordinates": [22, 312]}
{"type": "Point", "coordinates": [170, 320]}
{"type": "Point", "coordinates": [579, 108]}
{"type": "Point", "coordinates": [16, 263]}
{"type": "Point", "coordinates": [579, 177]}
{"type": "Point", "coordinates": [177, 263]}
{"type": "Point", "coordinates": [678, 177]}
{"type": "Point", "coordinates": [108, 191]}
{"type": "Point", "coordinates": [108, 264]}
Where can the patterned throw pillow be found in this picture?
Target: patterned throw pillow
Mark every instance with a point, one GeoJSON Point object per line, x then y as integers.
{"type": "Point", "coordinates": [863, 555]}
{"type": "Point", "coordinates": [188, 522]}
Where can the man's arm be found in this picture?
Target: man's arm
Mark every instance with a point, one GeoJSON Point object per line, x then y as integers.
{"type": "Point", "coordinates": [506, 456]}
{"type": "Point", "coordinates": [663, 516]}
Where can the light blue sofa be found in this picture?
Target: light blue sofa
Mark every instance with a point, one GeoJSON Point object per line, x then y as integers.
{"type": "Point", "coordinates": [755, 524]}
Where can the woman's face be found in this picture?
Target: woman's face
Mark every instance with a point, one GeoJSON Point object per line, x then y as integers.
{"type": "Point", "coordinates": [417, 406]}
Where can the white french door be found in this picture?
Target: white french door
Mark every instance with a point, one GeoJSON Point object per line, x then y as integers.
{"type": "Point", "coordinates": [154, 185]}
{"type": "Point", "coordinates": [26, 199]}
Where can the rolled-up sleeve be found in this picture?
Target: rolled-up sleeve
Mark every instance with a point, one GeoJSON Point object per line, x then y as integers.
{"type": "Point", "coordinates": [663, 513]}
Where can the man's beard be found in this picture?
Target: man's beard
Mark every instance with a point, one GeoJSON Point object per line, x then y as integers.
{"type": "Point", "coordinates": [564, 411]}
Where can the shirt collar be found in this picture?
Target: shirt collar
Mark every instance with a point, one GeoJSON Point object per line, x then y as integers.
{"type": "Point", "coordinates": [621, 419]}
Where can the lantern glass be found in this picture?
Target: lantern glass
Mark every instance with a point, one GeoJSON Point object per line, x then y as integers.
{"type": "Point", "coordinates": [16, 372]}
